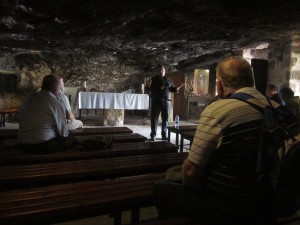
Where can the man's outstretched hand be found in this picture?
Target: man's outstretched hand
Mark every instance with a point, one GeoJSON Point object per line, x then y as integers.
{"type": "Point", "coordinates": [180, 86]}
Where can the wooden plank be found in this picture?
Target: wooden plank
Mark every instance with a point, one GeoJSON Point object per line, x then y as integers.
{"type": "Point", "coordinates": [11, 157]}
{"type": "Point", "coordinates": [126, 138]}
{"type": "Point", "coordinates": [100, 131]}
{"type": "Point", "coordinates": [13, 133]}
{"type": "Point", "coordinates": [170, 221]}
{"type": "Point", "coordinates": [118, 138]}
{"type": "Point", "coordinates": [60, 203]}
{"type": "Point", "coordinates": [16, 176]}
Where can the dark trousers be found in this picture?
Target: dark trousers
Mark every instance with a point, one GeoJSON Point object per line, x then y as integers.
{"type": "Point", "coordinates": [157, 107]}
{"type": "Point", "coordinates": [173, 200]}
{"type": "Point", "coordinates": [56, 144]}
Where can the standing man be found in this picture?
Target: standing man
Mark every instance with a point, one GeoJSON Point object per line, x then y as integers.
{"type": "Point", "coordinates": [72, 123]}
{"type": "Point", "coordinates": [220, 184]}
{"type": "Point", "coordinates": [43, 125]}
{"type": "Point", "coordinates": [160, 87]}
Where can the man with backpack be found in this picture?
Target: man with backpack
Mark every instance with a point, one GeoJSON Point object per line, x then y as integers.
{"type": "Point", "coordinates": [220, 183]}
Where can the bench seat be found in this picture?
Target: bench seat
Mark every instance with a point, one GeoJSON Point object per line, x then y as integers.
{"type": "Point", "coordinates": [292, 220]}
{"type": "Point", "coordinates": [12, 133]}
{"type": "Point", "coordinates": [10, 157]}
{"type": "Point", "coordinates": [187, 135]}
{"type": "Point", "coordinates": [126, 138]}
{"type": "Point", "coordinates": [170, 221]}
{"type": "Point", "coordinates": [101, 131]}
{"type": "Point", "coordinates": [11, 143]}
{"type": "Point", "coordinates": [59, 203]}
{"type": "Point", "coordinates": [42, 174]}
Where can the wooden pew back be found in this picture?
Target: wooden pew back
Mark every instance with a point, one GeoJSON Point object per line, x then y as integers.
{"type": "Point", "coordinates": [59, 203]}
{"type": "Point", "coordinates": [11, 157]}
{"type": "Point", "coordinates": [42, 174]}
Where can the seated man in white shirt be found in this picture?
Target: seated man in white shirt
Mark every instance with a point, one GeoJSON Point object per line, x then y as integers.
{"type": "Point", "coordinates": [43, 126]}
{"type": "Point", "coordinates": [72, 123]}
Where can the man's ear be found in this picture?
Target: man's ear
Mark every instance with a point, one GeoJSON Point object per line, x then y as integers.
{"type": "Point", "coordinates": [56, 92]}
{"type": "Point", "coordinates": [220, 89]}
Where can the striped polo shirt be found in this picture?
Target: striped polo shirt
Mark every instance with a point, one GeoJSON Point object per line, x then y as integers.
{"type": "Point", "coordinates": [219, 115]}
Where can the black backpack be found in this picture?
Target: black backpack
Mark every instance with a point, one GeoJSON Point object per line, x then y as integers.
{"type": "Point", "coordinates": [280, 141]}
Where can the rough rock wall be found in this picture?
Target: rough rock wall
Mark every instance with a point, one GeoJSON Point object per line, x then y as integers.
{"type": "Point", "coordinates": [99, 72]}
{"type": "Point", "coordinates": [294, 79]}
{"type": "Point", "coordinates": [103, 72]}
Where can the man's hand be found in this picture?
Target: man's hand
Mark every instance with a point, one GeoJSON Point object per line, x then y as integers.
{"type": "Point", "coordinates": [192, 174]}
{"type": "Point", "coordinates": [180, 86]}
{"type": "Point", "coordinates": [149, 82]}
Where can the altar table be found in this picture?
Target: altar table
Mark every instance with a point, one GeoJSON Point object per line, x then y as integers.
{"type": "Point", "coordinates": [113, 102]}
{"type": "Point", "coordinates": [101, 100]}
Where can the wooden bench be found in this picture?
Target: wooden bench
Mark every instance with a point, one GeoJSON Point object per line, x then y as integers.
{"type": "Point", "coordinates": [126, 138]}
{"type": "Point", "coordinates": [170, 221]}
{"type": "Point", "coordinates": [290, 220]}
{"type": "Point", "coordinates": [177, 131]}
{"type": "Point", "coordinates": [116, 138]}
{"type": "Point", "coordinates": [42, 174]}
{"type": "Point", "coordinates": [11, 157]}
{"type": "Point", "coordinates": [187, 135]}
{"type": "Point", "coordinates": [13, 133]}
{"type": "Point", "coordinates": [2, 115]}
{"type": "Point", "coordinates": [185, 221]}
{"type": "Point", "coordinates": [100, 131]}
{"type": "Point", "coordinates": [65, 202]}
{"type": "Point", "coordinates": [7, 134]}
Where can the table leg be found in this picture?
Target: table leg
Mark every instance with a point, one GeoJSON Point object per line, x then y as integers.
{"type": "Point", "coordinates": [135, 216]}
{"type": "Point", "coordinates": [2, 119]}
{"type": "Point", "coordinates": [117, 218]}
{"type": "Point", "coordinates": [169, 136]}
{"type": "Point", "coordinates": [181, 143]}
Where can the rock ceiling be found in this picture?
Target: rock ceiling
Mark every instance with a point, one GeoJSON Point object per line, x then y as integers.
{"type": "Point", "coordinates": [183, 34]}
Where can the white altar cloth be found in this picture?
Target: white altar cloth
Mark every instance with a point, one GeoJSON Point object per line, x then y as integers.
{"type": "Point", "coordinates": [101, 100]}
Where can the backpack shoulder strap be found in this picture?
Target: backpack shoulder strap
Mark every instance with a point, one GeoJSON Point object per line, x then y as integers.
{"type": "Point", "coordinates": [244, 97]}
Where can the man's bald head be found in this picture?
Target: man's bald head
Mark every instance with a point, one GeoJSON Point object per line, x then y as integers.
{"type": "Point", "coordinates": [235, 73]}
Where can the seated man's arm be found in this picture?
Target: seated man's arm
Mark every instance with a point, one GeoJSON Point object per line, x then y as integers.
{"type": "Point", "coordinates": [205, 142]}
{"type": "Point", "coordinates": [192, 173]}
{"type": "Point", "coordinates": [65, 101]}
{"type": "Point", "coordinates": [60, 119]}
{"type": "Point", "coordinates": [70, 115]}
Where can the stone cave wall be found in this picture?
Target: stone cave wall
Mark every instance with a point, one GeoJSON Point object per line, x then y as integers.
{"type": "Point", "coordinates": [100, 73]}
{"type": "Point", "coordinates": [278, 55]}
{"type": "Point", "coordinates": [294, 80]}
{"type": "Point", "coordinates": [105, 73]}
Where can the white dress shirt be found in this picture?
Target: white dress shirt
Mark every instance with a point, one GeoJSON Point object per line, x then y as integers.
{"type": "Point", "coordinates": [42, 117]}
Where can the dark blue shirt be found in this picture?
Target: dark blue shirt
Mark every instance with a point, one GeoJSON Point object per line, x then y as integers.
{"type": "Point", "coordinates": [276, 97]}
{"type": "Point", "coordinates": [161, 87]}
